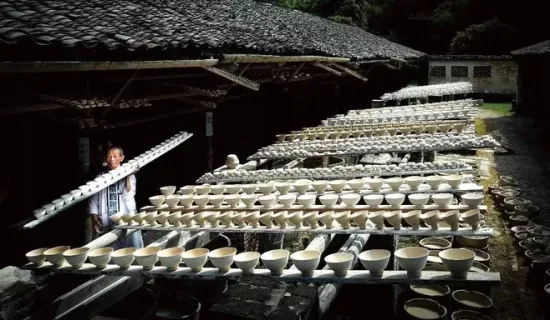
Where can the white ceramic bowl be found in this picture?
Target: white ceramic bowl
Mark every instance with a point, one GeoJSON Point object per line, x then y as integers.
{"type": "Point", "coordinates": [168, 190]}
{"type": "Point", "coordinates": [171, 258]}
{"type": "Point", "coordinates": [356, 184]}
{"type": "Point", "coordinates": [217, 189]}
{"type": "Point", "coordinates": [455, 180]}
{"type": "Point", "coordinates": [457, 261]}
{"type": "Point", "coordinates": [100, 257]}
{"type": "Point", "coordinates": [186, 190]}
{"type": "Point", "coordinates": [412, 259]}
{"type": "Point", "coordinates": [76, 193]}
{"type": "Point", "coordinates": [374, 200]}
{"type": "Point", "coordinates": [216, 200]}
{"type": "Point", "coordinates": [443, 199]}
{"type": "Point", "coordinates": [329, 200]}
{"type": "Point", "coordinates": [247, 261]}
{"type": "Point", "coordinates": [275, 260]}
{"type": "Point", "coordinates": [201, 200]}
{"type": "Point", "coordinates": [337, 185]}
{"type": "Point", "coordinates": [287, 200]}
{"type": "Point", "coordinates": [350, 199]}
{"type": "Point", "coordinates": [433, 181]}
{"type": "Point", "coordinates": [307, 200]}
{"type": "Point", "coordinates": [340, 263]}
{"type": "Point", "coordinates": [123, 257]}
{"type": "Point", "coordinates": [186, 200]}
{"type": "Point", "coordinates": [55, 255]}
{"type": "Point", "coordinates": [301, 186]}
{"type": "Point", "coordinates": [395, 199]}
{"type": "Point", "coordinates": [232, 200]}
{"type": "Point", "coordinates": [204, 189]}
{"type": "Point", "coordinates": [424, 309]}
{"type": "Point", "coordinates": [472, 200]}
{"type": "Point", "coordinates": [394, 183]}
{"type": "Point", "coordinates": [76, 257]}
{"type": "Point", "coordinates": [222, 258]}
{"type": "Point", "coordinates": [375, 183]}
{"type": "Point", "coordinates": [268, 201]}
{"type": "Point", "coordinates": [195, 258]}
{"type": "Point", "coordinates": [39, 213]}
{"type": "Point", "coordinates": [67, 198]}
{"type": "Point", "coordinates": [419, 199]}
{"type": "Point", "coordinates": [233, 188]}
{"type": "Point", "coordinates": [375, 261]}
{"type": "Point", "coordinates": [414, 182]}
{"type": "Point", "coordinates": [282, 187]}
{"type": "Point", "coordinates": [472, 299]}
{"type": "Point", "coordinates": [157, 201]}
{"type": "Point", "coordinates": [172, 200]}
{"type": "Point", "coordinates": [249, 200]}
{"type": "Point", "coordinates": [249, 188]}
{"type": "Point", "coordinates": [306, 261]}
{"type": "Point", "coordinates": [58, 203]}
{"type": "Point", "coordinates": [319, 186]}
{"type": "Point", "coordinates": [147, 257]}
{"type": "Point", "coordinates": [36, 256]}
{"type": "Point", "coordinates": [266, 188]}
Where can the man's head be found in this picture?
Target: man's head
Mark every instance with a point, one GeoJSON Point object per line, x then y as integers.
{"type": "Point", "coordinates": [114, 157]}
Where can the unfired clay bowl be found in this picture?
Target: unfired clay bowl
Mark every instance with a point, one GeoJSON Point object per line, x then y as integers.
{"type": "Point", "coordinates": [412, 259]}
{"type": "Point", "coordinates": [282, 187]}
{"type": "Point", "coordinates": [311, 219]}
{"type": "Point", "coordinates": [186, 200]}
{"type": "Point", "coordinates": [100, 257]}
{"type": "Point", "coordinates": [36, 256]}
{"type": "Point", "coordinates": [419, 199]}
{"type": "Point", "coordinates": [201, 200]}
{"type": "Point", "coordinates": [171, 258]}
{"type": "Point", "coordinates": [412, 218]}
{"type": "Point", "coordinates": [116, 218]}
{"type": "Point", "coordinates": [238, 219]}
{"type": "Point", "coordinates": [147, 257]}
{"type": "Point", "coordinates": [187, 190]}
{"type": "Point", "coordinates": [471, 217]}
{"type": "Point", "coordinates": [395, 199]}
{"type": "Point", "coordinates": [287, 200]}
{"type": "Point", "coordinates": [424, 309]}
{"type": "Point", "coordinates": [233, 188]}
{"type": "Point", "coordinates": [168, 190]}
{"type": "Point", "coordinates": [431, 218]}
{"type": "Point", "coordinates": [327, 218]}
{"type": "Point", "coordinates": [275, 260]}
{"type": "Point", "coordinates": [375, 183]}
{"type": "Point", "coordinates": [253, 218]}
{"type": "Point", "coordinates": [320, 186]}
{"type": "Point", "coordinates": [375, 261]}
{"type": "Point", "coordinates": [76, 257]}
{"type": "Point", "coordinates": [123, 257]}
{"type": "Point", "coordinates": [472, 299]}
{"type": "Point", "coordinates": [225, 218]}
{"type": "Point", "coordinates": [394, 218]}
{"type": "Point", "coordinates": [455, 180]}
{"type": "Point", "coordinates": [433, 181]}
{"type": "Point", "coordinates": [414, 182]}
{"type": "Point", "coordinates": [457, 261]}
{"type": "Point", "coordinates": [249, 188]}
{"type": "Point", "coordinates": [356, 184]}
{"type": "Point", "coordinates": [55, 255]}
{"type": "Point", "coordinates": [162, 218]}
{"type": "Point", "coordinates": [360, 217]}
{"type": "Point", "coordinates": [247, 261]}
{"type": "Point", "coordinates": [329, 200]}
{"type": "Point", "coordinates": [377, 217]}
{"type": "Point", "coordinates": [301, 186]}
{"type": "Point", "coordinates": [195, 258]}
{"type": "Point", "coordinates": [394, 183]}
{"type": "Point", "coordinates": [340, 263]}
{"type": "Point", "coordinates": [373, 200]}
{"type": "Point", "coordinates": [217, 189]}
{"type": "Point", "coordinates": [451, 218]}
{"type": "Point", "coordinates": [350, 199]}
{"type": "Point", "coordinates": [472, 200]}
{"type": "Point", "coordinates": [269, 200]}
{"type": "Point", "coordinates": [443, 200]}
{"type": "Point", "coordinates": [204, 189]}
{"type": "Point", "coordinates": [172, 200]}
{"type": "Point", "coordinates": [233, 200]}
{"type": "Point", "coordinates": [337, 185]}
{"type": "Point", "coordinates": [296, 218]}
{"type": "Point", "coordinates": [266, 188]}
{"type": "Point", "coordinates": [306, 261]}
{"type": "Point", "coordinates": [212, 218]}
{"type": "Point", "coordinates": [216, 200]}
{"type": "Point", "coordinates": [267, 219]}
{"type": "Point", "coordinates": [343, 218]}
{"type": "Point", "coordinates": [307, 200]}
{"type": "Point", "coordinates": [281, 217]}
{"type": "Point", "coordinates": [249, 200]}
{"type": "Point", "coordinates": [222, 258]}
{"type": "Point", "coordinates": [157, 201]}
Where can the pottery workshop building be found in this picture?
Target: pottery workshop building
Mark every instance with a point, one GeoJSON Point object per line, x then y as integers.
{"type": "Point", "coordinates": [79, 73]}
{"type": "Point", "coordinates": [533, 96]}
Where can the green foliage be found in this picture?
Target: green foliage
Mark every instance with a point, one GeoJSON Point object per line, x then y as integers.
{"type": "Point", "coordinates": [352, 12]}
{"type": "Point", "coordinates": [491, 37]}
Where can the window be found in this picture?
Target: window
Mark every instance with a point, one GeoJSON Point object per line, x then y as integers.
{"type": "Point", "coordinates": [437, 72]}
{"type": "Point", "coordinates": [482, 72]}
{"type": "Point", "coordinates": [459, 72]}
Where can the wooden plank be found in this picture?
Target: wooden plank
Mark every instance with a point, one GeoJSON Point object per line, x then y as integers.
{"type": "Point", "coordinates": [351, 72]}
{"type": "Point", "coordinates": [235, 78]}
{"type": "Point", "coordinates": [35, 222]}
{"type": "Point", "coordinates": [327, 68]}
{"type": "Point", "coordinates": [404, 231]}
{"type": "Point", "coordinates": [289, 275]}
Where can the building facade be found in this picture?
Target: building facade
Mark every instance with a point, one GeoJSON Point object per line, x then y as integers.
{"type": "Point", "coordinates": [495, 75]}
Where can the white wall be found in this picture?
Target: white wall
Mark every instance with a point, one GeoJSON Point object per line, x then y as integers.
{"type": "Point", "coordinates": [502, 80]}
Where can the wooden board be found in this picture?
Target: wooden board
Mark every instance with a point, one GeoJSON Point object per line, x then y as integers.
{"type": "Point", "coordinates": [404, 231]}
{"type": "Point", "coordinates": [319, 276]}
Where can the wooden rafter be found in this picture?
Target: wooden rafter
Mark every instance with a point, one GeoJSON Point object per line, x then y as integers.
{"type": "Point", "coordinates": [350, 72]}
{"type": "Point", "coordinates": [327, 68]}
{"type": "Point", "coordinates": [235, 78]}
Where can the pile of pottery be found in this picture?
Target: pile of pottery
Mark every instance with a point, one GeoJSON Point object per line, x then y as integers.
{"type": "Point", "coordinates": [443, 89]}
{"type": "Point", "coordinates": [446, 105]}
{"type": "Point", "coordinates": [106, 179]}
{"type": "Point", "coordinates": [390, 118]}
{"type": "Point", "coordinates": [412, 259]}
{"type": "Point", "coordinates": [372, 145]}
{"type": "Point", "coordinates": [432, 302]}
{"type": "Point", "coordinates": [358, 170]}
{"type": "Point", "coordinates": [377, 126]}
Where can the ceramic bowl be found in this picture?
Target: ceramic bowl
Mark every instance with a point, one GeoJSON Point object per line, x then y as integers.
{"type": "Point", "coordinates": [249, 200]}
{"type": "Point", "coordinates": [307, 200]}
{"type": "Point", "coordinates": [340, 263]}
{"type": "Point", "coordinates": [329, 200]}
{"type": "Point", "coordinates": [412, 259]}
{"type": "Point", "coordinates": [419, 199]}
{"type": "Point", "coordinates": [375, 261]}
{"type": "Point", "coordinates": [204, 189]}
{"type": "Point", "coordinates": [216, 200]}
{"type": "Point", "coordinates": [457, 261]}
{"type": "Point", "coordinates": [472, 299]}
{"type": "Point", "coordinates": [100, 257]}
{"type": "Point", "coordinates": [187, 190]}
{"type": "Point", "coordinates": [150, 218]}
{"type": "Point", "coordinates": [443, 200]}
{"type": "Point", "coordinates": [327, 219]}
{"type": "Point", "coordinates": [174, 218]}
{"type": "Point", "coordinates": [172, 200]}
{"type": "Point", "coordinates": [39, 213]}
{"type": "Point", "coordinates": [394, 183]}
{"type": "Point", "coordinates": [469, 315]}
{"type": "Point", "coordinates": [377, 217]}
{"type": "Point", "coordinates": [76, 257]}
{"type": "Point", "coordinates": [360, 218]}
{"type": "Point", "coordinates": [306, 261]}
{"type": "Point", "coordinates": [319, 186]}
{"type": "Point", "coordinates": [431, 290]}
{"type": "Point", "coordinates": [350, 199]}
{"type": "Point", "coordinates": [84, 189]}
{"type": "Point", "coordinates": [171, 258]}
{"type": "Point", "coordinates": [233, 188]}
{"type": "Point", "coordinates": [201, 200]}
{"type": "Point", "coordinates": [267, 219]}
{"type": "Point", "coordinates": [395, 199]}
{"type": "Point", "coordinates": [157, 201]}
{"type": "Point", "coordinates": [431, 218]}
{"type": "Point", "coordinates": [266, 188]}
{"type": "Point", "coordinates": [287, 200]}
{"type": "Point", "coordinates": [295, 218]}
{"type": "Point", "coordinates": [454, 180]}
{"type": "Point", "coordinates": [168, 190]}
{"type": "Point", "coordinates": [212, 218]}
{"type": "Point", "coordinates": [301, 186]}
{"type": "Point", "coordinates": [58, 203]}
{"type": "Point", "coordinates": [451, 218]}
{"type": "Point", "coordinates": [472, 200]}
{"type": "Point", "coordinates": [233, 200]}
{"type": "Point", "coordinates": [217, 189]}
{"type": "Point", "coordinates": [356, 184]}
{"type": "Point", "coordinates": [249, 188]}
{"type": "Point", "coordinates": [50, 207]}
{"type": "Point", "coordinates": [127, 217]}
{"type": "Point", "coordinates": [435, 243]}
{"type": "Point", "coordinates": [311, 219]}
{"type": "Point", "coordinates": [375, 183]}
{"type": "Point", "coordinates": [373, 200]}
{"type": "Point", "coordinates": [195, 258]}
{"type": "Point", "coordinates": [476, 242]}
{"type": "Point", "coordinates": [222, 258]}
{"type": "Point", "coordinates": [472, 217]}
{"type": "Point", "coordinates": [36, 256]}
{"type": "Point", "coordinates": [343, 218]}
{"type": "Point", "coordinates": [200, 218]}
{"type": "Point", "coordinates": [394, 218]}
{"type": "Point", "coordinates": [76, 193]}
{"type": "Point", "coordinates": [238, 219]}
{"type": "Point", "coordinates": [275, 260]}
{"type": "Point", "coordinates": [433, 181]}
{"type": "Point", "coordinates": [269, 200]}
{"type": "Point", "coordinates": [55, 255]}
{"type": "Point", "coordinates": [67, 198]}
{"type": "Point", "coordinates": [414, 182]}
{"type": "Point", "coordinates": [186, 200]}
{"type": "Point", "coordinates": [247, 261]}
{"type": "Point", "coordinates": [412, 218]}
{"type": "Point", "coordinates": [147, 257]}
{"type": "Point", "coordinates": [424, 309]}
{"type": "Point", "coordinates": [337, 185]}
{"type": "Point", "coordinates": [123, 257]}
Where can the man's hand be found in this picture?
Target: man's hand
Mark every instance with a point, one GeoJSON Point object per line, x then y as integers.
{"type": "Point", "coordinates": [135, 171]}
{"type": "Point", "coordinates": [96, 223]}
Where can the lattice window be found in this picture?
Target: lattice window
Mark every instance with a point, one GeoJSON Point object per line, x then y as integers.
{"type": "Point", "coordinates": [437, 72]}
{"type": "Point", "coordinates": [482, 72]}
{"type": "Point", "coordinates": [459, 72]}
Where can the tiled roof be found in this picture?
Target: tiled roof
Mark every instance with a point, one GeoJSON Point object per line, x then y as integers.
{"type": "Point", "coordinates": [174, 29]}
{"type": "Point", "coordinates": [469, 57]}
{"type": "Point", "coordinates": [536, 49]}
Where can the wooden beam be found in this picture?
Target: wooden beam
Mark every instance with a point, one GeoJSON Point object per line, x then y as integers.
{"type": "Point", "coordinates": [257, 58]}
{"type": "Point", "coordinates": [351, 72]}
{"type": "Point", "coordinates": [118, 94]}
{"type": "Point", "coordinates": [295, 72]}
{"type": "Point", "coordinates": [235, 78]}
{"type": "Point", "coordinates": [156, 117]}
{"type": "Point", "coordinates": [327, 68]}
{"type": "Point", "coordinates": [8, 111]}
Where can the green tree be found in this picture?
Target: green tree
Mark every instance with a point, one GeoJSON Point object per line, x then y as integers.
{"type": "Point", "coordinates": [491, 37]}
